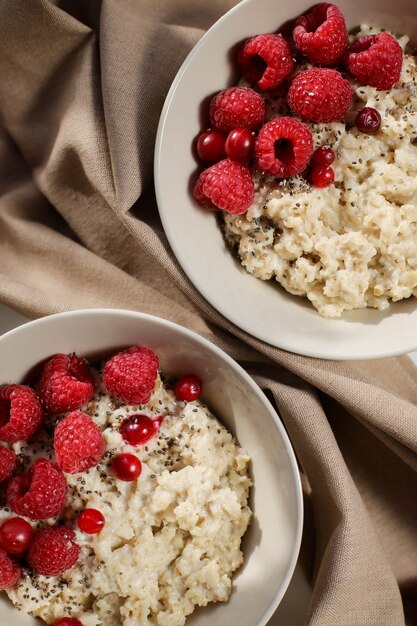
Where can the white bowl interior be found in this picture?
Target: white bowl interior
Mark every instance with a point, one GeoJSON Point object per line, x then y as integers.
{"type": "Point", "coordinates": [263, 309]}
{"type": "Point", "coordinates": [271, 545]}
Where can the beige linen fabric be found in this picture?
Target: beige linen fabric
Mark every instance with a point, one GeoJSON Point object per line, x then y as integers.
{"type": "Point", "coordinates": [82, 83]}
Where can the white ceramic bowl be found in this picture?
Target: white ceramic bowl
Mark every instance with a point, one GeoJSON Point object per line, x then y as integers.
{"type": "Point", "coordinates": [272, 543]}
{"type": "Point", "coordinates": [263, 309]}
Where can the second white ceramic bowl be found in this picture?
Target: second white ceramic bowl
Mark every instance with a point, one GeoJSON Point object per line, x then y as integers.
{"type": "Point", "coordinates": [263, 309]}
{"type": "Point", "coordinates": [272, 542]}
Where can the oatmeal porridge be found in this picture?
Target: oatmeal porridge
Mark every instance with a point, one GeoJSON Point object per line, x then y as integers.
{"type": "Point", "coordinates": [341, 232]}
{"type": "Point", "coordinates": [171, 538]}
{"type": "Point", "coordinates": [353, 244]}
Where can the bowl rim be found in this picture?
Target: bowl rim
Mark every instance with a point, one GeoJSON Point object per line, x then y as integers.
{"type": "Point", "coordinates": [341, 352]}
{"type": "Point", "coordinates": [247, 379]}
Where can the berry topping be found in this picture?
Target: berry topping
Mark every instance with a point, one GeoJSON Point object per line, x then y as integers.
{"type": "Point", "coordinates": [376, 60]}
{"type": "Point", "coordinates": [68, 621]}
{"type": "Point", "coordinates": [237, 107]}
{"type": "Point", "coordinates": [130, 375]}
{"type": "Point", "coordinates": [321, 34]}
{"type": "Point", "coordinates": [320, 95]}
{"type": "Point", "coordinates": [188, 388]}
{"type": "Point", "coordinates": [16, 535]}
{"type": "Point", "coordinates": [283, 147]}
{"type": "Point", "coordinates": [66, 383]}
{"type": "Point", "coordinates": [126, 467]}
{"type": "Point", "coordinates": [20, 413]}
{"type": "Point", "coordinates": [53, 551]}
{"type": "Point", "coordinates": [210, 146]}
{"type": "Point", "coordinates": [227, 185]}
{"type": "Point", "coordinates": [266, 60]}
{"type": "Point", "coordinates": [40, 493]}
{"type": "Point", "coordinates": [138, 429]}
{"type": "Point", "coordinates": [91, 521]}
{"type": "Point", "coordinates": [9, 571]}
{"type": "Point", "coordinates": [322, 176]}
{"type": "Point", "coordinates": [7, 463]}
{"type": "Point", "coordinates": [78, 443]}
{"type": "Point", "coordinates": [368, 120]}
{"type": "Point", "coordinates": [323, 156]}
{"type": "Point", "coordinates": [239, 144]}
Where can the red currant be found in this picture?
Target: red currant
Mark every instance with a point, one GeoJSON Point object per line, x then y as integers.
{"type": "Point", "coordinates": [188, 388]}
{"type": "Point", "coordinates": [138, 429]}
{"type": "Point", "coordinates": [16, 535]}
{"type": "Point", "coordinates": [210, 146]}
{"type": "Point", "coordinates": [91, 521]}
{"type": "Point", "coordinates": [322, 176]}
{"type": "Point", "coordinates": [127, 467]}
{"type": "Point", "coordinates": [323, 156]}
{"type": "Point", "coordinates": [68, 621]}
{"type": "Point", "coordinates": [239, 144]}
{"type": "Point", "coordinates": [368, 121]}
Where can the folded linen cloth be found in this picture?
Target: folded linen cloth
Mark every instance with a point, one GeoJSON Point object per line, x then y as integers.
{"type": "Point", "coordinates": [81, 89]}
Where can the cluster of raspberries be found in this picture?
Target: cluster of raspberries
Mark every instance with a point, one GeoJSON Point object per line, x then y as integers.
{"type": "Point", "coordinates": [66, 384]}
{"type": "Point", "coordinates": [283, 147]}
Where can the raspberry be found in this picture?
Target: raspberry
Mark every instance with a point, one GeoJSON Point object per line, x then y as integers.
{"type": "Point", "coordinates": [78, 443]}
{"type": "Point", "coordinates": [237, 107]}
{"type": "Point", "coordinates": [130, 375]}
{"type": "Point", "coordinates": [40, 493]}
{"type": "Point", "coordinates": [320, 95]}
{"type": "Point", "coordinates": [9, 571]}
{"type": "Point", "coordinates": [66, 383]}
{"type": "Point", "coordinates": [53, 551]}
{"type": "Point", "coordinates": [7, 463]}
{"type": "Point", "coordinates": [266, 60]}
{"type": "Point", "coordinates": [321, 34]}
{"type": "Point", "coordinates": [227, 185]}
{"type": "Point", "coordinates": [20, 413]}
{"type": "Point", "coordinates": [283, 147]}
{"type": "Point", "coordinates": [375, 60]}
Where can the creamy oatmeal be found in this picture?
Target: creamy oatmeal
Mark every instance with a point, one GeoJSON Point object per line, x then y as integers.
{"type": "Point", "coordinates": [353, 244]}
{"type": "Point", "coordinates": [172, 538]}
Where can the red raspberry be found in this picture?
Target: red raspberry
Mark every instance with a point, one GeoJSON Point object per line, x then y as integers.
{"type": "Point", "coordinates": [40, 493]}
{"type": "Point", "coordinates": [20, 413]}
{"type": "Point", "coordinates": [9, 571]}
{"type": "Point", "coordinates": [66, 383]}
{"type": "Point", "coordinates": [283, 147]}
{"type": "Point", "coordinates": [7, 463]}
{"type": "Point", "coordinates": [78, 443]}
{"type": "Point", "coordinates": [53, 551]}
{"type": "Point", "coordinates": [266, 60]}
{"type": "Point", "coordinates": [321, 34]}
{"type": "Point", "coordinates": [320, 95]}
{"type": "Point", "coordinates": [130, 375]}
{"type": "Point", "coordinates": [227, 185]}
{"type": "Point", "coordinates": [237, 107]}
{"type": "Point", "coordinates": [376, 60]}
